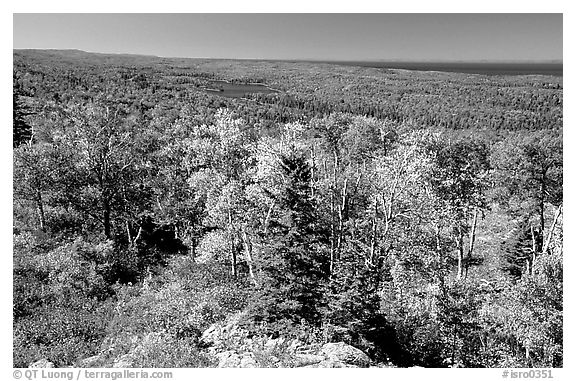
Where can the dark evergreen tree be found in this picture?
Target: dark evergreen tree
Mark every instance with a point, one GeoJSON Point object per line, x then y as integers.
{"type": "Point", "coordinates": [519, 248]}
{"type": "Point", "coordinates": [21, 130]}
{"type": "Point", "coordinates": [355, 315]}
{"type": "Point", "coordinates": [294, 266]}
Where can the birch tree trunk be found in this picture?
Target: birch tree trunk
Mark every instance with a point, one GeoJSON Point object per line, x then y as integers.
{"type": "Point", "coordinates": [460, 247]}
{"type": "Point", "coordinates": [128, 234]}
{"type": "Point", "coordinates": [341, 217]}
{"type": "Point", "coordinates": [268, 214]}
{"type": "Point", "coordinates": [233, 257]}
{"type": "Point", "coordinates": [549, 238]}
{"type": "Point", "coordinates": [248, 252]}
{"type": "Point", "coordinates": [373, 235]}
{"type": "Point", "coordinates": [471, 243]}
{"type": "Point", "coordinates": [40, 211]}
{"type": "Point", "coordinates": [530, 261]}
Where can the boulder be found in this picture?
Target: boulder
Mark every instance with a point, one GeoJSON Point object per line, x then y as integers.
{"type": "Point", "coordinates": [346, 354]}
{"type": "Point", "coordinates": [44, 363]}
{"type": "Point", "coordinates": [306, 360]}
{"type": "Point", "coordinates": [327, 363]}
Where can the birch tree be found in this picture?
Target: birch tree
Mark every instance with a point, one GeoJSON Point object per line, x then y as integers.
{"type": "Point", "coordinates": [459, 180]}
{"type": "Point", "coordinates": [105, 175]}
{"type": "Point", "coordinates": [529, 175]}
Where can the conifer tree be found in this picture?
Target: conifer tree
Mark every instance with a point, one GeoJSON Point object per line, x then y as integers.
{"type": "Point", "coordinates": [293, 268]}
{"type": "Point", "coordinates": [21, 130]}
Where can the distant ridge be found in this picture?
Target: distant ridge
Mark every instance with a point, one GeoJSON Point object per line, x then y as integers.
{"type": "Point", "coordinates": [551, 68]}
{"type": "Point", "coordinates": [83, 52]}
{"type": "Point", "coordinates": [486, 68]}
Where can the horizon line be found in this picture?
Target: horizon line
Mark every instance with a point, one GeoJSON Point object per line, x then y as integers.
{"type": "Point", "coordinates": [384, 60]}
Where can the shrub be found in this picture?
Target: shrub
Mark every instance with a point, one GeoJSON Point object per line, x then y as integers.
{"type": "Point", "coordinates": [76, 268]}
{"type": "Point", "coordinates": [60, 298]}
{"type": "Point", "coordinates": [180, 302]}
{"type": "Point", "coordinates": [213, 247]}
{"type": "Point", "coordinates": [62, 334]}
{"type": "Point", "coordinates": [155, 350]}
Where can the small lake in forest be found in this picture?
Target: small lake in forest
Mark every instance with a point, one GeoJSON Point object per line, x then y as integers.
{"type": "Point", "coordinates": [236, 90]}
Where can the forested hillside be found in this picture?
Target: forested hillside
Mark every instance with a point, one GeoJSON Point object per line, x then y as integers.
{"type": "Point", "coordinates": [160, 221]}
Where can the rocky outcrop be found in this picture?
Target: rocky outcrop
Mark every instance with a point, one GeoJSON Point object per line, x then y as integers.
{"type": "Point", "coordinates": [232, 359]}
{"type": "Point", "coordinates": [346, 354]}
{"type": "Point", "coordinates": [44, 363]}
{"type": "Point", "coordinates": [335, 355]}
{"type": "Point", "coordinates": [216, 333]}
{"type": "Point", "coordinates": [233, 348]}
{"type": "Point", "coordinates": [326, 363]}
{"type": "Point", "coordinates": [307, 360]}
{"type": "Point", "coordinates": [124, 361]}
{"type": "Point", "coordinates": [91, 362]}
{"type": "Point", "coordinates": [228, 359]}
{"type": "Point", "coordinates": [248, 361]}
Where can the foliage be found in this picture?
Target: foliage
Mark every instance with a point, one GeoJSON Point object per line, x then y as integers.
{"type": "Point", "coordinates": [61, 333]}
{"type": "Point", "coordinates": [348, 205]}
{"type": "Point", "coordinates": [355, 316]}
{"type": "Point", "coordinates": [184, 300]}
{"type": "Point", "coordinates": [21, 129]}
{"type": "Point", "coordinates": [533, 315]}
{"type": "Point", "coordinates": [294, 266]}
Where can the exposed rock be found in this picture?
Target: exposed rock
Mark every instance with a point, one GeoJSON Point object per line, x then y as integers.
{"type": "Point", "coordinates": [328, 363]}
{"type": "Point", "coordinates": [44, 363]}
{"type": "Point", "coordinates": [90, 362]}
{"type": "Point", "coordinates": [211, 335]}
{"type": "Point", "coordinates": [231, 346]}
{"type": "Point", "coordinates": [231, 359]}
{"type": "Point", "coordinates": [305, 360]}
{"type": "Point", "coordinates": [248, 362]}
{"type": "Point", "coordinates": [124, 361]}
{"type": "Point", "coordinates": [216, 332]}
{"type": "Point", "coordinates": [295, 345]}
{"type": "Point", "coordinates": [228, 359]}
{"type": "Point", "coordinates": [274, 362]}
{"type": "Point", "coordinates": [346, 354]}
{"type": "Point", "coordinates": [274, 343]}
{"type": "Point", "coordinates": [333, 355]}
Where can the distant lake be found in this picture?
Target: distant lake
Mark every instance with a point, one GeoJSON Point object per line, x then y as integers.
{"type": "Point", "coordinates": [487, 68]}
{"type": "Point", "coordinates": [236, 90]}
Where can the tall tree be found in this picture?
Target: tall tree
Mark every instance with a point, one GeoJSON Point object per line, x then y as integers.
{"type": "Point", "coordinates": [294, 266]}
{"type": "Point", "coordinates": [21, 129]}
{"type": "Point", "coordinates": [35, 176]}
{"type": "Point", "coordinates": [529, 175]}
{"type": "Point", "coordinates": [106, 175]}
{"type": "Point", "coordinates": [459, 180]}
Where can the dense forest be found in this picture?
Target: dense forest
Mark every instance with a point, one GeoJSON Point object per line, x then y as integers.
{"type": "Point", "coordinates": [400, 218]}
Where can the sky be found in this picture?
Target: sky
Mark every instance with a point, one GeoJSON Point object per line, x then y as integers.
{"type": "Point", "coordinates": [409, 37]}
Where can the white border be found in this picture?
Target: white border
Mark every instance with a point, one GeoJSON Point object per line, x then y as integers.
{"type": "Point", "coordinates": [296, 6]}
